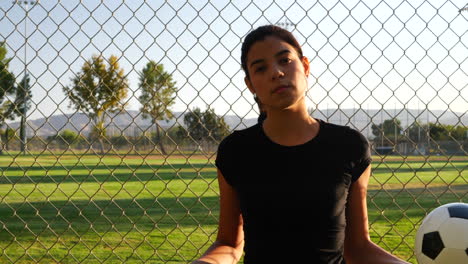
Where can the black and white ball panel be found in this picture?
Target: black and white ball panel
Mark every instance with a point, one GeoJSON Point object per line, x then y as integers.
{"type": "Point", "coordinates": [432, 244]}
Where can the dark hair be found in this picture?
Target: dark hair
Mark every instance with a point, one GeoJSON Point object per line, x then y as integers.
{"type": "Point", "coordinates": [261, 117]}
{"type": "Point", "coordinates": [260, 34]}
{"type": "Point", "coordinates": [263, 114]}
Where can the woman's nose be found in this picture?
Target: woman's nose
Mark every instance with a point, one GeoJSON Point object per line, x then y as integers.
{"type": "Point", "coordinates": [277, 72]}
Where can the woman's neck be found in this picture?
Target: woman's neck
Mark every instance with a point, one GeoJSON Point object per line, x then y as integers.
{"type": "Point", "coordinates": [290, 128]}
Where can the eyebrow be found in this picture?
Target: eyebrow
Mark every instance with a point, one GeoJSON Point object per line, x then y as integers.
{"type": "Point", "coordinates": [276, 55]}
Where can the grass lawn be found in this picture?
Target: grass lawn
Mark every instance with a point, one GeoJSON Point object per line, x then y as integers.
{"type": "Point", "coordinates": [69, 208]}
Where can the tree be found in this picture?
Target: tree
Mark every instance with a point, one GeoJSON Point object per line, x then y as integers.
{"type": "Point", "coordinates": [215, 126]}
{"type": "Point", "coordinates": [390, 128]}
{"type": "Point", "coordinates": [120, 141]}
{"type": "Point", "coordinates": [179, 134]}
{"type": "Point", "coordinates": [440, 132]}
{"type": "Point", "coordinates": [8, 135]}
{"type": "Point", "coordinates": [194, 122]}
{"type": "Point", "coordinates": [157, 95]}
{"type": "Point", "coordinates": [97, 90]}
{"type": "Point", "coordinates": [67, 139]}
{"type": "Point", "coordinates": [459, 133]}
{"type": "Point", "coordinates": [7, 87]}
{"type": "Point", "coordinates": [21, 106]}
{"type": "Point", "coordinates": [206, 126]}
{"type": "Point", "coordinates": [417, 132]}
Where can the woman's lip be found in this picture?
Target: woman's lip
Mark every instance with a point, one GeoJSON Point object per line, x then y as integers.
{"type": "Point", "coordinates": [281, 88]}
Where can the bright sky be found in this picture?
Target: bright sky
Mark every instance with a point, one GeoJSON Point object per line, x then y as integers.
{"type": "Point", "coordinates": [364, 54]}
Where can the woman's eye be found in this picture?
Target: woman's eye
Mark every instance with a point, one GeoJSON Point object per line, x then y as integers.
{"type": "Point", "coordinates": [260, 69]}
{"type": "Point", "coordinates": [285, 60]}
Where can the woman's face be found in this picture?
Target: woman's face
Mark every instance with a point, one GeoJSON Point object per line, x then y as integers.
{"type": "Point", "coordinates": [277, 75]}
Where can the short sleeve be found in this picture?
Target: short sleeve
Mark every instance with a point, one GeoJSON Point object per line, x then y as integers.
{"type": "Point", "coordinates": [360, 154]}
{"type": "Point", "coordinates": [224, 158]}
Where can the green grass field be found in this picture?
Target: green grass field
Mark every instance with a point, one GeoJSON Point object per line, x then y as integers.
{"type": "Point", "coordinates": [68, 208]}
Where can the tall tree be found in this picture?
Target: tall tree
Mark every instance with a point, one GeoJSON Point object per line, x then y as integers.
{"type": "Point", "coordinates": [157, 95]}
{"type": "Point", "coordinates": [7, 88]}
{"type": "Point", "coordinates": [448, 132]}
{"type": "Point", "coordinates": [417, 132]}
{"type": "Point", "coordinates": [459, 132]}
{"type": "Point", "coordinates": [194, 122]}
{"type": "Point", "coordinates": [21, 106]}
{"type": "Point", "coordinates": [205, 126]}
{"type": "Point", "coordinates": [98, 89]}
{"type": "Point", "coordinates": [67, 139]}
{"type": "Point", "coordinates": [438, 131]}
{"type": "Point", "coordinates": [8, 135]}
{"type": "Point", "coordinates": [215, 126]}
{"type": "Point", "coordinates": [388, 127]}
{"type": "Point", "coordinates": [388, 130]}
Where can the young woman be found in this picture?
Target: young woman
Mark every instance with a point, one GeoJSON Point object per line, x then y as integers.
{"type": "Point", "coordinates": [292, 188]}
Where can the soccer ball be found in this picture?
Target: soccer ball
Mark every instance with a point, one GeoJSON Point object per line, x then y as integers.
{"type": "Point", "coordinates": [442, 237]}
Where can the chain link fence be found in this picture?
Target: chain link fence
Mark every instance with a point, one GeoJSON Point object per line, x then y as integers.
{"type": "Point", "coordinates": [108, 158]}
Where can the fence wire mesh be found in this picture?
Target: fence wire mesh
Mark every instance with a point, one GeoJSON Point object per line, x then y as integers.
{"type": "Point", "coordinates": [111, 112]}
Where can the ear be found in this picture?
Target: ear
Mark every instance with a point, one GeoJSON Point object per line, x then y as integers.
{"type": "Point", "coordinates": [306, 64]}
{"type": "Point", "coordinates": [249, 84]}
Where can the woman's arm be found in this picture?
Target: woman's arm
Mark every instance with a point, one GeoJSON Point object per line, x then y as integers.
{"type": "Point", "coordinates": [359, 249]}
{"type": "Point", "coordinates": [229, 243]}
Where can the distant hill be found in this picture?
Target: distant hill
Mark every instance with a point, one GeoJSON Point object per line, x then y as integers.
{"type": "Point", "coordinates": [131, 122]}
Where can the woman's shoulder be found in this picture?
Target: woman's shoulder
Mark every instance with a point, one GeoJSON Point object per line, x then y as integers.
{"type": "Point", "coordinates": [232, 147]}
{"type": "Point", "coordinates": [241, 136]}
{"type": "Point", "coordinates": [342, 133]}
{"type": "Point", "coordinates": [333, 128]}
{"type": "Point", "coordinates": [349, 141]}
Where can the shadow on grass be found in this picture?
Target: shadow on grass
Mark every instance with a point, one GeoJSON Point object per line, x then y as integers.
{"type": "Point", "coordinates": [413, 202]}
{"type": "Point", "coordinates": [131, 172]}
{"type": "Point", "coordinates": [103, 166]}
{"type": "Point", "coordinates": [101, 216]}
{"type": "Point", "coordinates": [114, 173]}
{"type": "Point", "coordinates": [95, 153]}
{"type": "Point", "coordinates": [460, 159]}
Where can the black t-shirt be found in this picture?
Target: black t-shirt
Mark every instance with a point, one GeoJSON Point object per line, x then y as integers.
{"type": "Point", "coordinates": [293, 198]}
